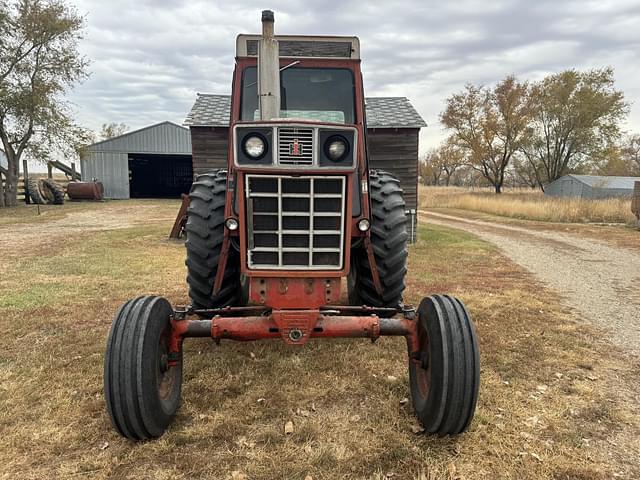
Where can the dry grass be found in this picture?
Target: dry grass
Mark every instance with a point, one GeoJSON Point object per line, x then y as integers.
{"type": "Point", "coordinates": [525, 204]}
{"type": "Point", "coordinates": [552, 401]}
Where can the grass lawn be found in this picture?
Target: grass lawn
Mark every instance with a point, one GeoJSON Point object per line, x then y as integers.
{"type": "Point", "coordinates": [552, 401]}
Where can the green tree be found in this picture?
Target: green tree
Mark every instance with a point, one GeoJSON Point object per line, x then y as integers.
{"type": "Point", "coordinates": [490, 125]}
{"type": "Point", "coordinates": [576, 117]}
{"type": "Point", "coordinates": [113, 129]}
{"type": "Point", "coordinates": [39, 63]}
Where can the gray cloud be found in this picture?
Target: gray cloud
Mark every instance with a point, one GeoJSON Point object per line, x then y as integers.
{"type": "Point", "coordinates": [150, 57]}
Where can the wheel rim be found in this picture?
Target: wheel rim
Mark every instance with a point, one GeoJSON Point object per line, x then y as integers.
{"type": "Point", "coordinates": [165, 373]}
{"type": "Point", "coordinates": [423, 372]}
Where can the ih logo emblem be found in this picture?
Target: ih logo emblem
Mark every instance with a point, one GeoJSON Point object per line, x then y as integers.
{"type": "Point", "coordinates": [295, 148]}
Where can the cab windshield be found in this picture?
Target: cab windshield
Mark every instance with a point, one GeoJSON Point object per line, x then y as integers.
{"type": "Point", "coordinates": [322, 94]}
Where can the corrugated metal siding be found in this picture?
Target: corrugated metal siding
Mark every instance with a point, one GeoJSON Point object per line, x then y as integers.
{"type": "Point", "coordinates": [164, 137]}
{"type": "Point", "coordinates": [110, 168]}
{"type": "Point", "coordinates": [598, 193]}
{"type": "Point", "coordinates": [396, 151]}
{"type": "Point", "coordinates": [209, 148]}
{"type": "Point", "coordinates": [564, 187]}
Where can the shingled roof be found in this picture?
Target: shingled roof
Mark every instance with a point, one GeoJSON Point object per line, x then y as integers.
{"type": "Point", "coordinates": [382, 112]}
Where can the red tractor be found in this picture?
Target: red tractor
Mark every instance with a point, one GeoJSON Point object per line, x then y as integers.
{"type": "Point", "coordinates": [270, 238]}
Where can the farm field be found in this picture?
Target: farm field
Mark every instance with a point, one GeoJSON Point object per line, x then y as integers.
{"type": "Point", "coordinates": [526, 204]}
{"type": "Point", "coordinates": [557, 400]}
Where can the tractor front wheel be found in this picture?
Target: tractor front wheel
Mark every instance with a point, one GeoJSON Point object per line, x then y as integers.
{"type": "Point", "coordinates": [141, 386]}
{"type": "Point", "coordinates": [445, 374]}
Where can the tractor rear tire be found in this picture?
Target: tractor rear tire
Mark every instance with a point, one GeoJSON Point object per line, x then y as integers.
{"type": "Point", "coordinates": [141, 389]}
{"type": "Point", "coordinates": [445, 378]}
{"type": "Point", "coordinates": [389, 241]}
{"type": "Point", "coordinates": [205, 231]}
{"type": "Point", "coordinates": [36, 190]}
{"type": "Point", "coordinates": [56, 192]}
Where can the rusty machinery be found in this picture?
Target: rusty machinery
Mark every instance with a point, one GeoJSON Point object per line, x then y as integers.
{"type": "Point", "coordinates": [270, 238]}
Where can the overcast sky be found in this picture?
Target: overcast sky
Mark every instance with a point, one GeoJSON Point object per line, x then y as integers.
{"type": "Point", "coordinates": [150, 57]}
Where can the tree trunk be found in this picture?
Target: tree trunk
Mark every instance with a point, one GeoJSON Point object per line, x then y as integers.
{"type": "Point", "coordinates": [11, 185]}
{"type": "Point", "coordinates": [1, 189]}
{"type": "Point", "coordinates": [498, 187]}
{"type": "Point", "coordinates": [11, 190]}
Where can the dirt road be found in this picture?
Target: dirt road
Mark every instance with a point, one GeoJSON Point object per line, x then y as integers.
{"type": "Point", "coordinates": [600, 281]}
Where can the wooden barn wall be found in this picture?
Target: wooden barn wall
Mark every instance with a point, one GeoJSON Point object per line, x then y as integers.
{"type": "Point", "coordinates": [209, 148]}
{"type": "Point", "coordinates": [396, 151]}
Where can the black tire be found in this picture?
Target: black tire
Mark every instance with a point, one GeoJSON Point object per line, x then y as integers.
{"type": "Point", "coordinates": [205, 231]}
{"type": "Point", "coordinates": [389, 240]}
{"type": "Point", "coordinates": [56, 192]}
{"type": "Point", "coordinates": [446, 378]}
{"type": "Point", "coordinates": [141, 390]}
{"type": "Point", "coordinates": [36, 193]}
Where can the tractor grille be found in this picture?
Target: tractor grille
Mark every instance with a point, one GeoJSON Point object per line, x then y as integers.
{"type": "Point", "coordinates": [295, 223]}
{"type": "Point", "coordinates": [295, 146]}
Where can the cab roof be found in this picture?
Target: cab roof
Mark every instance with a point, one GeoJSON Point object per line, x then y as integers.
{"type": "Point", "coordinates": [293, 46]}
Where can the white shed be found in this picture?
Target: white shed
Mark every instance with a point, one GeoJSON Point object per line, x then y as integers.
{"type": "Point", "coordinates": [591, 186]}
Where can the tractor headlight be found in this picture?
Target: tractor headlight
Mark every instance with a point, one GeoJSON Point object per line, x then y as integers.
{"type": "Point", "coordinates": [231, 223]}
{"type": "Point", "coordinates": [254, 146]}
{"type": "Point", "coordinates": [364, 225]}
{"type": "Point", "coordinates": [336, 148]}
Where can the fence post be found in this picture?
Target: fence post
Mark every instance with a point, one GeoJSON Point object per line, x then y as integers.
{"type": "Point", "coordinates": [1, 191]}
{"type": "Point", "coordinates": [635, 201]}
{"type": "Point", "coordinates": [73, 170]}
{"type": "Point", "coordinates": [25, 168]}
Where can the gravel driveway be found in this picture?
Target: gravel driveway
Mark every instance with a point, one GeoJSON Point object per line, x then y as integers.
{"type": "Point", "coordinates": [600, 281]}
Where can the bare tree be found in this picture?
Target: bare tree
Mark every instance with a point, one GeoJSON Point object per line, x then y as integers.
{"type": "Point", "coordinates": [630, 151]}
{"type": "Point", "coordinates": [524, 173]}
{"type": "Point", "coordinates": [576, 116]}
{"type": "Point", "coordinates": [452, 157]}
{"type": "Point", "coordinates": [113, 129]}
{"type": "Point", "coordinates": [430, 170]}
{"type": "Point", "coordinates": [39, 63]}
{"type": "Point", "coordinates": [490, 125]}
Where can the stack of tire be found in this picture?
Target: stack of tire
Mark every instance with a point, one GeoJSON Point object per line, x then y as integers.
{"type": "Point", "coordinates": [44, 191]}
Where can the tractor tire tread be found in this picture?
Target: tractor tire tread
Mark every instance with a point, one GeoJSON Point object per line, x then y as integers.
{"type": "Point", "coordinates": [130, 389]}
{"type": "Point", "coordinates": [205, 232]}
{"type": "Point", "coordinates": [389, 242]}
{"type": "Point", "coordinates": [450, 403]}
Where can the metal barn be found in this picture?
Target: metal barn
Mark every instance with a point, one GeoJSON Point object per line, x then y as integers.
{"type": "Point", "coordinates": [393, 129]}
{"type": "Point", "coordinates": [152, 162]}
{"type": "Point", "coordinates": [591, 186]}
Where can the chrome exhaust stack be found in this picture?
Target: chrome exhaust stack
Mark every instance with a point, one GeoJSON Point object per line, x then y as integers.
{"type": "Point", "coordinates": [268, 70]}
